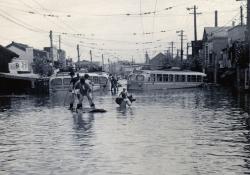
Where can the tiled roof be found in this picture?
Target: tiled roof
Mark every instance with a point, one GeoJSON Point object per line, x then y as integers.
{"type": "Point", "coordinates": [18, 45]}
{"type": "Point", "coordinates": [9, 52]}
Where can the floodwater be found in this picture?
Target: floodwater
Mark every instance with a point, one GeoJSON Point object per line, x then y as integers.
{"type": "Point", "coordinates": [175, 132]}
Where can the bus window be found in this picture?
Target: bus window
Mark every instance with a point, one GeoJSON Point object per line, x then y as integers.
{"type": "Point", "coordinates": [56, 81]}
{"type": "Point", "coordinates": [103, 80]}
{"type": "Point", "coordinates": [171, 78]}
{"type": "Point", "coordinates": [165, 77]}
{"type": "Point", "coordinates": [152, 77]}
{"type": "Point", "coordinates": [193, 78]}
{"type": "Point", "coordinates": [189, 78]}
{"type": "Point", "coordinates": [199, 79]}
{"type": "Point", "coordinates": [95, 80]}
{"type": "Point", "coordinates": [66, 81]}
{"type": "Point", "coordinates": [140, 78]}
{"type": "Point", "coordinates": [177, 78]}
{"type": "Point", "coordinates": [159, 77]}
{"type": "Point", "coordinates": [183, 78]}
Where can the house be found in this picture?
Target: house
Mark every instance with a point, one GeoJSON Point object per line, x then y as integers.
{"type": "Point", "coordinates": [160, 61]}
{"type": "Point", "coordinates": [6, 57]}
{"type": "Point", "coordinates": [26, 53]}
{"type": "Point", "coordinates": [215, 39]}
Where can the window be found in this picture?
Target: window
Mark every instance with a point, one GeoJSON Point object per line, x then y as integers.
{"type": "Point", "coordinates": [132, 77]}
{"type": "Point", "coordinates": [140, 78]}
{"type": "Point", "coordinates": [152, 77]}
{"type": "Point", "coordinates": [199, 78]}
{"type": "Point", "coordinates": [159, 77]}
{"type": "Point", "coordinates": [177, 78]}
{"type": "Point", "coordinates": [189, 78]}
{"type": "Point", "coordinates": [171, 78]}
{"type": "Point", "coordinates": [66, 81]}
{"type": "Point", "coordinates": [165, 77]}
{"type": "Point", "coordinates": [193, 78]}
{"type": "Point", "coordinates": [56, 81]}
{"type": "Point", "coordinates": [103, 80]}
{"type": "Point", "coordinates": [95, 80]}
{"type": "Point", "coordinates": [183, 78]}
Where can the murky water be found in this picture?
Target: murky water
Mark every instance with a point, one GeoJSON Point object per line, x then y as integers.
{"type": "Point", "coordinates": [183, 132]}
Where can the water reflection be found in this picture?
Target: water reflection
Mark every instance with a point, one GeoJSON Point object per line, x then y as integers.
{"type": "Point", "coordinates": [83, 121]}
{"type": "Point", "coordinates": [192, 131]}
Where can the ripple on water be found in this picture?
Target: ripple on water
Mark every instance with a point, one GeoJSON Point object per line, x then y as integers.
{"type": "Point", "coordinates": [164, 132]}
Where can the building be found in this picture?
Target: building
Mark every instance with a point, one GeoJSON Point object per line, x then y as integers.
{"type": "Point", "coordinates": [214, 40]}
{"type": "Point", "coordinates": [49, 50]}
{"type": "Point", "coordinates": [6, 56]}
{"type": "Point", "coordinates": [61, 58]}
{"type": "Point", "coordinates": [26, 53]}
{"type": "Point", "coordinates": [160, 61]}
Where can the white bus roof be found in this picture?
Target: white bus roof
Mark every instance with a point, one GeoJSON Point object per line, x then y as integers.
{"type": "Point", "coordinates": [172, 72]}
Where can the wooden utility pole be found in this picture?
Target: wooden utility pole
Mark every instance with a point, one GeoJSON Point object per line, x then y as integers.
{"type": "Point", "coordinates": [78, 53]}
{"type": "Point", "coordinates": [102, 63]}
{"type": "Point", "coordinates": [172, 49]}
{"type": "Point", "coordinates": [59, 42]}
{"type": "Point", "coordinates": [90, 53]}
{"type": "Point", "coordinates": [195, 20]}
{"type": "Point", "coordinates": [216, 18]}
{"type": "Point", "coordinates": [51, 47]}
{"type": "Point", "coordinates": [181, 35]}
{"type": "Point", "coordinates": [241, 16]}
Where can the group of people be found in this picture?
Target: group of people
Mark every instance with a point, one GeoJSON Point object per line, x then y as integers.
{"type": "Point", "coordinates": [81, 87]}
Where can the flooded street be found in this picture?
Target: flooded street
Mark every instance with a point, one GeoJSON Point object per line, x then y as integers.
{"type": "Point", "coordinates": [192, 131]}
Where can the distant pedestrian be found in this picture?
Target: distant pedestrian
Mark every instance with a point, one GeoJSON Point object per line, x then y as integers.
{"type": "Point", "coordinates": [113, 84]}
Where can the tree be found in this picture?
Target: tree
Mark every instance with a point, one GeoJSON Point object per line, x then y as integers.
{"type": "Point", "coordinates": [42, 66]}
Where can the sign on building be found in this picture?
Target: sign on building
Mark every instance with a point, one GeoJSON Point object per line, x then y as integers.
{"type": "Point", "coordinates": [18, 66]}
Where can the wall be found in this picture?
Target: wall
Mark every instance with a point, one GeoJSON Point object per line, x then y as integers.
{"type": "Point", "coordinates": [24, 55]}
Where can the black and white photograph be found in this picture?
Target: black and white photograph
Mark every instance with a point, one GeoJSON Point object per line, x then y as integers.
{"type": "Point", "coordinates": [124, 87]}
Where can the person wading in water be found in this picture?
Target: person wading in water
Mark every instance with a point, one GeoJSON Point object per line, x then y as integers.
{"type": "Point", "coordinates": [73, 90]}
{"type": "Point", "coordinates": [124, 96]}
{"type": "Point", "coordinates": [84, 90]}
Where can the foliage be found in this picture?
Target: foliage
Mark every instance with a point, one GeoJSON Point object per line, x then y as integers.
{"type": "Point", "coordinates": [42, 67]}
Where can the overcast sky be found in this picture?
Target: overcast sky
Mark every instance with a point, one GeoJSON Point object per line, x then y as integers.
{"type": "Point", "coordinates": [104, 26]}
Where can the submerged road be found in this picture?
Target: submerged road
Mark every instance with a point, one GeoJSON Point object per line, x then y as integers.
{"type": "Point", "coordinates": [192, 131]}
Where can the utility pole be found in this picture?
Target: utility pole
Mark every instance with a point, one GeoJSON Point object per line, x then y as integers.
{"type": "Point", "coordinates": [78, 53]}
{"type": "Point", "coordinates": [59, 42]}
{"type": "Point", "coordinates": [90, 53]}
{"type": "Point", "coordinates": [216, 18]}
{"type": "Point", "coordinates": [172, 49]}
{"type": "Point", "coordinates": [102, 63]}
{"type": "Point", "coordinates": [181, 35]}
{"type": "Point", "coordinates": [241, 16]}
{"type": "Point", "coordinates": [195, 21]}
{"type": "Point", "coordinates": [51, 47]}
